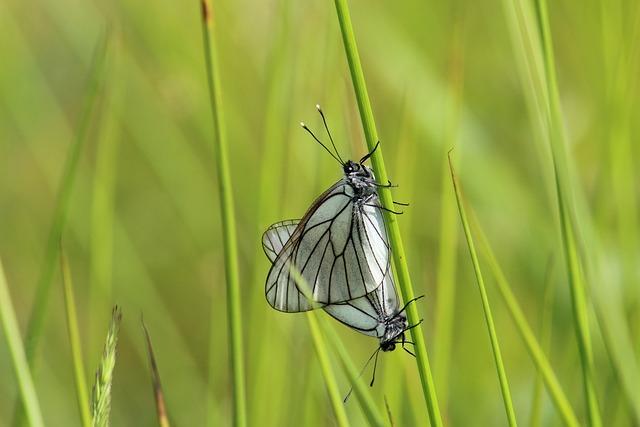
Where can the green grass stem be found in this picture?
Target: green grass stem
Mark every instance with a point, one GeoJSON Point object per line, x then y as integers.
{"type": "Point", "coordinates": [225, 191]}
{"type": "Point", "coordinates": [397, 249]}
{"type": "Point", "coordinates": [327, 371]}
{"type": "Point", "coordinates": [18, 357]}
{"type": "Point", "coordinates": [502, 376]}
{"type": "Point", "coordinates": [534, 348]}
{"type": "Point", "coordinates": [74, 340]}
{"type": "Point", "coordinates": [566, 213]}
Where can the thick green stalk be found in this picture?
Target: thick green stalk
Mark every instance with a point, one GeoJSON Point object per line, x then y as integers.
{"type": "Point", "coordinates": [74, 339]}
{"type": "Point", "coordinates": [234, 318]}
{"type": "Point", "coordinates": [397, 249]}
{"type": "Point", "coordinates": [18, 357]}
{"type": "Point", "coordinates": [567, 225]}
{"type": "Point", "coordinates": [534, 348]}
{"type": "Point", "coordinates": [497, 355]}
{"type": "Point", "coordinates": [327, 371]}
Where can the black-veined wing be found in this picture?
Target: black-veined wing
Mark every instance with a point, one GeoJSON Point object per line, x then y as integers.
{"type": "Point", "coordinates": [367, 314]}
{"type": "Point", "coordinates": [340, 248]}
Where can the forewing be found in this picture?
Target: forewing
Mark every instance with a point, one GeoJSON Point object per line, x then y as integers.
{"type": "Point", "coordinates": [339, 248]}
{"type": "Point", "coordinates": [364, 314]}
{"type": "Point", "coordinates": [371, 244]}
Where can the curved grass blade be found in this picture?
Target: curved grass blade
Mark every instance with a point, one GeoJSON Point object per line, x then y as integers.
{"type": "Point", "coordinates": [161, 407]}
{"type": "Point", "coordinates": [18, 357]}
{"type": "Point", "coordinates": [448, 239]}
{"type": "Point", "coordinates": [545, 336]}
{"type": "Point", "coordinates": [371, 411]}
{"type": "Point", "coordinates": [225, 192]}
{"type": "Point", "coordinates": [101, 393]}
{"type": "Point", "coordinates": [74, 339]}
{"type": "Point", "coordinates": [327, 372]}
{"type": "Point", "coordinates": [38, 314]}
{"type": "Point", "coordinates": [395, 239]}
{"type": "Point", "coordinates": [502, 376]}
{"type": "Point", "coordinates": [534, 348]}
{"type": "Point", "coordinates": [36, 320]}
{"type": "Point", "coordinates": [566, 212]}
{"type": "Point", "coordinates": [608, 303]}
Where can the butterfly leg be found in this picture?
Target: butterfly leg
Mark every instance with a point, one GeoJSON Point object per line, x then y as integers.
{"type": "Point", "coordinates": [385, 209]}
{"type": "Point", "coordinates": [405, 341]}
{"type": "Point", "coordinates": [369, 154]}
{"type": "Point", "coordinates": [387, 185]}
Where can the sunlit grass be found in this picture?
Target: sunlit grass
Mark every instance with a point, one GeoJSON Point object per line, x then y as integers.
{"type": "Point", "coordinates": [142, 222]}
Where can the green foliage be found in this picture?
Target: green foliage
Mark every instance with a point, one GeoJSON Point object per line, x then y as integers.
{"type": "Point", "coordinates": [142, 220]}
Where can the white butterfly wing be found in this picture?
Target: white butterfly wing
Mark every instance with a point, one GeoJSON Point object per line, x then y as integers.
{"type": "Point", "coordinates": [364, 314]}
{"type": "Point", "coordinates": [340, 248]}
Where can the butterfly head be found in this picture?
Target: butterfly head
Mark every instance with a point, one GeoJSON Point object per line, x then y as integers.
{"type": "Point", "coordinates": [394, 329]}
{"type": "Point", "coordinates": [356, 170]}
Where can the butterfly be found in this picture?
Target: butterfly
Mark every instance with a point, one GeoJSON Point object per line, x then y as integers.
{"type": "Point", "coordinates": [339, 249]}
{"type": "Point", "coordinates": [376, 314]}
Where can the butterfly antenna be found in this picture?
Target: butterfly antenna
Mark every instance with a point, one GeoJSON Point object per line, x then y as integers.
{"type": "Point", "coordinates": [369, 154]}
{"type": "Point", "coordinates": [375, 366]}
{"type": "Point", "coordinates": [361, 372]}
{"type": "Point", "coordinates": [304, 126]}
{"type": "Point", "coordinates": [326, 127]}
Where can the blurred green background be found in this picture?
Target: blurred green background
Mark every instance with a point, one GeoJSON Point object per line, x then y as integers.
{"type": "Point", "coordinates": [144, 224]}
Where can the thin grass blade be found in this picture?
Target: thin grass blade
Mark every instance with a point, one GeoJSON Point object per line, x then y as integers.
{"type": "Point", "coordinates": [567, 217]}
{"type": "Point", "coordinates": [497, 355]}
{"type": "Point", "coordinates": [327, 371]}
{"type": "Point", "coordinates": [38, 313]}
{"type": "Point", "coordinates": [74, 340]}
{"type": "Point", "coordinates": [371, 411]}
{"type": "Point", "coordinates": [535, 417]}
{"type": "Point", "coordinates": [18, 357]}
{"type": "Point", "coordinates": [448, 240]}
{"type": "Point", "coordinates": [534, 348]}
{"type": "Point", "coordinates": [225, 192]}
{"type": "Point", "coordinates": [161, 407]}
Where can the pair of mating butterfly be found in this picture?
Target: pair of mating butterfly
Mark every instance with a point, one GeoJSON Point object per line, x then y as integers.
{"type": "Point", "coordinates": [337, 257]}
